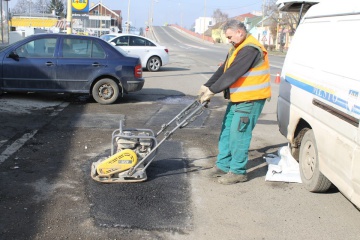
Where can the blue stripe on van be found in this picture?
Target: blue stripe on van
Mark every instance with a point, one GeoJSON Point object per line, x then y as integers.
{"type": "Point", "coordinates": [321, 93]}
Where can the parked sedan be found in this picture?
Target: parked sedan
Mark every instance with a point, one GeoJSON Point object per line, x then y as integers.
{"type": "Point", "coordinates": [61, 63]}
{"type": "Point", "coordinates": [151, 53]}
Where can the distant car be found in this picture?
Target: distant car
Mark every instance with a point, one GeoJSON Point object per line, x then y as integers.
{"type": "Point", "coordinates": [61, 63]}
{"type": "Point", "coordinates": [152, 54]}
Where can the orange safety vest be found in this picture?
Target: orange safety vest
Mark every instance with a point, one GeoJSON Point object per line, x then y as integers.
{"type": "Point", "coordinates": [255, 84]}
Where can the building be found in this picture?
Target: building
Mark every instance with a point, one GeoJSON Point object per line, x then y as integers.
{"type": "Point", "coordinates": [103, 20]}
{"type": "Point", "coordinates": [203, 23]}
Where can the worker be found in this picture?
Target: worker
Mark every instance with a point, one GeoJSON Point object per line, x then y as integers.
{"type": "Point", "coordinates": [245, 80]}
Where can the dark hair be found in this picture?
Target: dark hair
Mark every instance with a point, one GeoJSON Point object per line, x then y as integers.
{"type": "Point", "coordinates": [234, 24]}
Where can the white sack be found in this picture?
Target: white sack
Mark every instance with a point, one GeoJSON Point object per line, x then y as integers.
{"type": "Point", "coordinates": [282, 167]}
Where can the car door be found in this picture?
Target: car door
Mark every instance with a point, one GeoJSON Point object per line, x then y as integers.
{"type": "Point", "coordinates": [80, 61]}
{"type": "Point", "coordinates": [34, 68]}
{"type": "Point", "coordinates": [140, 46]}
{"type": "Point", "coordinates": [132, 46]}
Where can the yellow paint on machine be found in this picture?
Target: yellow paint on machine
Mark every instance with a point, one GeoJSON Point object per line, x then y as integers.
{"type": "Point", "coordinates": [118, 162]}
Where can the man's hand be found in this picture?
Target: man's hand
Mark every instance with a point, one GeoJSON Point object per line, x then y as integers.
{"type": "Point", "coordinates": [206, 96]}
{"type": "Point", "coordinates": [202, 90]}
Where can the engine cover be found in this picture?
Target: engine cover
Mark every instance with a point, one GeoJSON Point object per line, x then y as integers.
{"type": "Point", "coordinates": [116, 163]}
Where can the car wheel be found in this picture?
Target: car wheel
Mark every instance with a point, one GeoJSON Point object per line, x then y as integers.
{"type": "Point", "coordinates": [105, 91]}
{"type": "Point", "coordinates": [311, 176]}
{"type": "Point", "coordinates": [153, 64]}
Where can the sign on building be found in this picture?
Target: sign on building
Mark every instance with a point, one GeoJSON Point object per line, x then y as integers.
{"type": "Point", "coordinates": [80, 6]}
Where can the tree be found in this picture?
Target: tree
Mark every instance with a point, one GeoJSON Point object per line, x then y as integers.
{"type": "Point", "coordinates": [219, 16]}
{"type": "Point", "coordinates": [284, 19]}
{"type": "Point", "coordinates": [57, 6]}
{"type": "Point", "coordinates": [41, 6]}
{"type": "Point", "coordinates": [28, 7]}
{"type": "Point", "coordinates": [23, 7]}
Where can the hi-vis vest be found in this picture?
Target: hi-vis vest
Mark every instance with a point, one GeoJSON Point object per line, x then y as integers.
{"type": "Point", "coordinates": [255, 84]}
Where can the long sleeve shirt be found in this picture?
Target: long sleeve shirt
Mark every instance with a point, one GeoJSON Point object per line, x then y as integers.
{"type": "Point", "coordinates": [246, 59]}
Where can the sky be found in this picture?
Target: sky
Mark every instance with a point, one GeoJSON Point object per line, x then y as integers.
{"type": "Point", "coordinates": [181, 12]}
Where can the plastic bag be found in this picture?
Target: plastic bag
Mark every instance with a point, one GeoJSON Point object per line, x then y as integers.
{"type": "Point", "coordinates": [282, 167]}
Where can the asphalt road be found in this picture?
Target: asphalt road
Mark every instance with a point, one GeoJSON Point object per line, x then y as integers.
{"type": "Point", "coordinates": [48, 142]}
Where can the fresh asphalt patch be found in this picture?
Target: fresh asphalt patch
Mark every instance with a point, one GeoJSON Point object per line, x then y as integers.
{"type": "Point", "coordinates": [162, 202]}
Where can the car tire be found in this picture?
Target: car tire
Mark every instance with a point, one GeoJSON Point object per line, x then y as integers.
{"type": "Point", "coordinates": [153, 64]}
{"type": "Point", "coordinates": [105, 91]}
{"type": "Point", "coordinates": [312, 178]}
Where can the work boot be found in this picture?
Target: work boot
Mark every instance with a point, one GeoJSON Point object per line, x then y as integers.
{"type": "Point", "coordinates": [215, 172]}
{"type": "Point", "coordinates": [231, 178]}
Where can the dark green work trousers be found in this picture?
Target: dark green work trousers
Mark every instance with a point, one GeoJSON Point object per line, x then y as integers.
{"type": "Point", "coordinates": [236, 133]}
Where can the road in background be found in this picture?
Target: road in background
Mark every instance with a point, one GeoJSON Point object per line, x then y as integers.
{"type": "Point", "coordinates": [48, 142]}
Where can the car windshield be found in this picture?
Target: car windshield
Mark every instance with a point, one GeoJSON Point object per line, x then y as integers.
{"type": "Point", "coordinates": [107, 37]}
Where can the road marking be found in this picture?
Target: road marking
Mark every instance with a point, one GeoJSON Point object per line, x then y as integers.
{"type": "Point", "coordinates": [197, 47]}
{"type": "Point", "coordinates": [59, 109]}
{"type": "Point", "coordinates": [16, 145]}
{"type": "Point", "coordinates": [204, 76]}
{"type": "Point", "coordinates": [3, 142]}
{"type": "Point", "coordinates": [275, 66]}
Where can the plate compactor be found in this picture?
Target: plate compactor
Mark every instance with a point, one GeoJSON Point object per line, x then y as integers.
{"type": "Point", "coordinates": [137, 148]}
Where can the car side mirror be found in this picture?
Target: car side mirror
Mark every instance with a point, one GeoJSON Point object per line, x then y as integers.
{"type": "Point", "coordinates": [112, 43]}
{"type": "Point", "coordinates": [13, 55]}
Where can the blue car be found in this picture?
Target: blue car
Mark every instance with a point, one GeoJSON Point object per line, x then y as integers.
{"type": "Point", "coordinates": [61, 63]}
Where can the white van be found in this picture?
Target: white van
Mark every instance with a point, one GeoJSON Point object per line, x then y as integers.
{"type": "Point", "coordinates": [319, 101]}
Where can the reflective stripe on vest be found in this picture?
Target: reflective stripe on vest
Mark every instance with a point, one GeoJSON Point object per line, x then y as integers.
{"type": "Point", "coordinates": [250, 88]}
{"type": "Point", "coordinates": [257, 73]}
{"type": "Point", "coordinates": [255, 84]}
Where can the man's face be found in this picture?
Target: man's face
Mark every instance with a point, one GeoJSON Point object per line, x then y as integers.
{"type": "Point", "coordinates": [235, 37]}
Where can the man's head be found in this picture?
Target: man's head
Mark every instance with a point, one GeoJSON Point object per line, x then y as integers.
{"type": "Point", "coordinates": [235, 32]}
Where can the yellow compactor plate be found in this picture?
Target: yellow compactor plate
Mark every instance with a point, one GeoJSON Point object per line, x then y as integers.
{"type": "Point", "coordinates": [118, 162]}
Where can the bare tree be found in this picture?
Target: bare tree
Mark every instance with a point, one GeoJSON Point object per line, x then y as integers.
{"type": "Point", "coordinates": [57, 6]}
{"type": "Point", "coordinates": [219, 16]}
{"type": "Point", "coordinates": [275, 17]}
{"type": "Point", "coordinates": [278, 21]}
{"type": "Point", "coordinates": [42, 6]}
{"type": "Point", "coordinates": [28, 7]}
{"type": "Point", "coordinates": [23, 7]}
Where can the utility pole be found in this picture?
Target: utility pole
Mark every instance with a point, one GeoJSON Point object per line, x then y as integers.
{"type": "Point", "coordinates": [69, 17]}
{"type": "Point", "coordinates": [204, 19]}
{"type": "Point", "coordinates": [263, 13]}
{"type": "Point", "coordinates": [128, 21]}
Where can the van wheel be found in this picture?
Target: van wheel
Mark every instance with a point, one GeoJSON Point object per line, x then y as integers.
{"type": "Point", "coordinates": [311, 176]}
{"type": "Point", "coordinates": [295, 150]}
{"type": "Point", "coordinates": [153, 64]}
{"type": "Point", "coordinates": [105, 91]}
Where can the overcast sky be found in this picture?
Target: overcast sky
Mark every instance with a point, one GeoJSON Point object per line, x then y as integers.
{"type": "Point", "coordinates": [182, 12]}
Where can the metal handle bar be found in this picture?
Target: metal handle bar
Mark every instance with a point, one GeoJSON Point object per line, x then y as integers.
{"type": "Point", "coordinates": [198, 106]}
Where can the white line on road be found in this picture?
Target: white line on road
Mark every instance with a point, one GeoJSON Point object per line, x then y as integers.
{"type": "Point", "coordinates": [16, 145]}
{"type": "Point", "coordinates": [2, 142]}
{"type": "Point", "coordinates": [204, 76]}
{"type": "Point", "coordinates": [275, 66]}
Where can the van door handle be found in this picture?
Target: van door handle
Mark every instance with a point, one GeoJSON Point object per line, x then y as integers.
{"type": "Point", "coordinates": [49, 64]}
